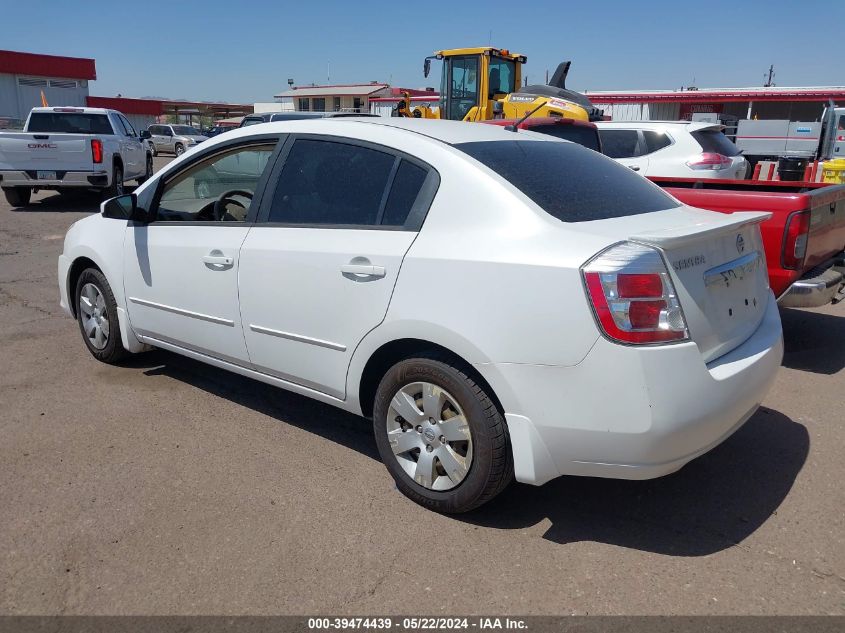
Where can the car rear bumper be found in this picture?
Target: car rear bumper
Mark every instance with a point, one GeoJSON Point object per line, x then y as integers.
{"type": "Point", "coordinates": [63, 179]}
{"type": "Point", "coordinates": [818, 288]}
{"type": "Point", "coordinates": [633, 412]}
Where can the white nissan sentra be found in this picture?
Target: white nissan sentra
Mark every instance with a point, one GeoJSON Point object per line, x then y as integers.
{"type": "Point", "coordinates": [501, 304]}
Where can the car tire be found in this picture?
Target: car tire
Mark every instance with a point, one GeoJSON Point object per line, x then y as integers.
{"type": "Point", "coordinates": [17, 196]}
{"type": "Point", "coordinates": [116, 188]}
{"type": "Point", "coordinates": [96, 313]}
{"type": "Point", "coordinates": [476, 444]}
{"type": "Point", "coordinates": [179, 149]}
{"type": "Point", "coordinates": [153, 150]}
{"type": "Point", "coordinates": [148, 172]}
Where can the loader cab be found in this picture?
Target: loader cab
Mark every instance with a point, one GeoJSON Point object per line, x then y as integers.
{"type": "Point", "coordinates": [472, 80]}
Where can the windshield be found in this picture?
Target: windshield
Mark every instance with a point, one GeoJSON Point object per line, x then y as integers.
{"type": "Point", "coordinates": [502, 76]}
{"type": "Point", "coordinates": [185, 130]}
{"type": "Point", "coordinates": [581, 134]}
{"type": "Point", "coordinates": [569, 182]}
{"type": "Point", "coordinates": [69, 123]}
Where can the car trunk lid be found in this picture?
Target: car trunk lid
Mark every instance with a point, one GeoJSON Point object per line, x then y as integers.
{"type": "Point", "coordinates": [718, 267]}
{"type": "Point", "coordinates": [47, 151]}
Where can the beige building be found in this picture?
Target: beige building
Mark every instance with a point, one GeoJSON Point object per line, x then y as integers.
{"type": "Point", "coordinates": [346, 98]}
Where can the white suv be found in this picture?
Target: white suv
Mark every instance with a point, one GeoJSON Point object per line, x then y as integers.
{"type": "Point", "coordinates": [674, 149]}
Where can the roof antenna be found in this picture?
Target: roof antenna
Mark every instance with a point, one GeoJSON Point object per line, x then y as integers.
{"type": "Point", "coordinates": [513, 126]}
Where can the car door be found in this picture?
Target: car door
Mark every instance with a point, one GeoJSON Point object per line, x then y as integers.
{"type": "Point", "coordinates": [137, 154]}
{"type": "Point", "coordinates": [181, 270]}
{"type": "Point", "coordinates": [626, 146]}
{"type": "Point", "coordinates": [318, 270]}
{"type": "Point", "coordinates": [124, 141]}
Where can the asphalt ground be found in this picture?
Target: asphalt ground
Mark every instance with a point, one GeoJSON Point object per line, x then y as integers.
{"type": "Point", "coordinates": [164, 486]}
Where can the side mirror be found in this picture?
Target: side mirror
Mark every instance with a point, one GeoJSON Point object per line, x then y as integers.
{"type": "Point", "coordinates": [125, 208]}
{"type": "Point", "coordinates": [426, 67]}
{"type": "Point", "coordinates": [145, 134]}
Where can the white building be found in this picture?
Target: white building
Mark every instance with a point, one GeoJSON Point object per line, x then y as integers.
{"type": "Point", "coordinates": [24, 77]}
{"type": "Point", "coordinates": [346, 97]}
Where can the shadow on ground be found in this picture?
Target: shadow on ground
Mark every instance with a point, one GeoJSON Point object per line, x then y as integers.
{"type": "Point", "coordinates": [712, 504]}
{"type": "Point", "coordinates": [76, 201]}
{"type": "Point", "coordinates": [814, 341]}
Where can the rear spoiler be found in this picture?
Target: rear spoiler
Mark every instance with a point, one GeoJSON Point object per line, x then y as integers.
{"type": "Point", "coordinates": [677, 236]}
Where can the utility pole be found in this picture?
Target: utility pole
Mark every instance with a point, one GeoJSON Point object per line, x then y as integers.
{"type": "Point", "coordinates": [769, 83]}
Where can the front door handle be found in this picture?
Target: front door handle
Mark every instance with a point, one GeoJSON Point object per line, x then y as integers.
{"type": "Point", "coordinates": [363, 269]}
{"type": "Point", "coordinates": [215, 259]}
{"type": "Point", "coordinates": [634, 168]}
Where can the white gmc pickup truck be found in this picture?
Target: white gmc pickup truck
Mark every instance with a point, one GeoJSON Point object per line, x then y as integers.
{"type": "Point", "coordinates": [71, 148]}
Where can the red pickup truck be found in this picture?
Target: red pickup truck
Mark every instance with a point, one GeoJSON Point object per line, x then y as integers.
{"type": "Point", "coordinates": [804, 239]}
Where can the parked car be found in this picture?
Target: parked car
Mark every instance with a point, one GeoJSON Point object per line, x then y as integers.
{"type": "Point", "coordinates": [218, 129]}
{"type": "Point", "coordinates": [268, 117]}
{"type": "Point", "coordinates": [673, 148]}
{"type": "Point", "coordinates": [63, 149]}
{"type": "Point", "coordinates": [174, 139]}
{"type": "Point", "coordinates": [580, 132]}
{"type": "Point", "coordinates": [499, 304]}
{"type": "Point", "coordinates": [804, 239]}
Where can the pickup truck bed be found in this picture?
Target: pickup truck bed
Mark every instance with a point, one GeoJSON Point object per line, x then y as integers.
{"type": "Point", "coordinates": [804, 240]}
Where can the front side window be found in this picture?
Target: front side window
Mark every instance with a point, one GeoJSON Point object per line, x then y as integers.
{"type": "Point", "coordinates": [330, 183]}
{"type": "Point", "coordinates": [620, 143]}
{"type": "Point", "coordinates": [217, 189]}
{"type": "Point", "coordinates": [130, 131]}
{"type": "Point", "coordinates": [502, 76]}
{"type": "Point", "coordinates": [568, 181]}
{"type": "Point", "coordinates": [185, 130]}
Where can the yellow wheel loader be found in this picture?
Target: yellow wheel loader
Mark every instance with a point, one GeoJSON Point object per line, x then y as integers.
{"type": "Point", "coordinates": [478, 84]}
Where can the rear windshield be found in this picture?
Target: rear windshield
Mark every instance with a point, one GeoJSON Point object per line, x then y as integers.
{"type": "Point", "coordinates": [715, 141]}
{"type": "Point", "coordinates": [581, 134]}
{"type": "Point", "coordinates": [568, 181]}
{"type": "Point", "coordinates": [69, 122]}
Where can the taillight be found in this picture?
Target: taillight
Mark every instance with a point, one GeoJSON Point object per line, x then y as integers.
{"type": "Point", "coordinates": [795, 240]}
{"type": "Point", "coordinates": [633, 296]}
{"type": "Point", "coordinates": [97, 150]}
{"type": "Point", "coordinates": [709, 160]}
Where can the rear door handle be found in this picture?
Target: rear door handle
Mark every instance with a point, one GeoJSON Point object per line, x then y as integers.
{"type": "Point", "coordinates": [363, 269]}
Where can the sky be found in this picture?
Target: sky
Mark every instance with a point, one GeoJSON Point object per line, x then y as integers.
{"type": "Point", "coordinates": [245, 53]}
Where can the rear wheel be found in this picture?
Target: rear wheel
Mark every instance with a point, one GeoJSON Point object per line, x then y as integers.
{"type": "Point", "coordinates": [17, 196]}
{"type": "Point", "coordinates": [440, 434]}
{"type": "Point", "coordinates": [96, 312]}
{"type": "Point", "coordinates": [116, 188]}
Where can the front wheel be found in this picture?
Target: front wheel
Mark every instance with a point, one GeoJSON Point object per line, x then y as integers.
{"type": "Point", "coordinates": [440, 435]}
{"type": "Point", "coordinates": [96, 312]}
{"type": "Point", "coordinates": [17, 196]}
{"type": "Point", "coordinates": [180, 149]}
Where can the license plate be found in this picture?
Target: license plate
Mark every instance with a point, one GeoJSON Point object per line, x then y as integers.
{"type": "Point", "coordinates": [46, 175]}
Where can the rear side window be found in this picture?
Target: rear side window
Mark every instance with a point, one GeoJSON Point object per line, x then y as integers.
{"type": "Point", "coordinates": [328, 183]}
{"type": "Point", "coordinates": [715, 141]}
{"type": "Point", "coordinates": [406, 187]}
{"type": "Point", "coordinates": [569, 182]}
{"type": "Point", "coordinates": [655, 140]}
{"type": "Point", "coordinates": [620, 143]}
{"type": "Point", "coordinates": [581, 134]}
{"type": "Point", "coordinates": [69, 122]}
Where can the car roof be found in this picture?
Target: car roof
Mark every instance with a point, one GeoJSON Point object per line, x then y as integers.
{"type": "Point", "coordinates": [692, 126]}
{"type": "Point", "coordinates": [449, 132]}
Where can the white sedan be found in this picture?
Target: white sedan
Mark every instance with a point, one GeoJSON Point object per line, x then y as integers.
{"type": "Point", "coordinates": [499, 303]}
{"type": "Point", "coordinates": [673, 149]}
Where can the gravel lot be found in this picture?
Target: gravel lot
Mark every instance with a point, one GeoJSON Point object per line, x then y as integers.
{"type": "Point", "coordinates": [165, 486]}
